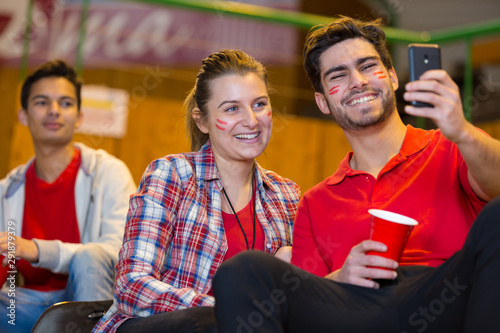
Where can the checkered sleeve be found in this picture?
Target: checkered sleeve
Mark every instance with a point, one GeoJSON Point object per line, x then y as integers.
{"type": "Point", "coordinates": [139, 289]}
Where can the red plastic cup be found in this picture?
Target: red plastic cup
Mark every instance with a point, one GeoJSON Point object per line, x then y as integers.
{"type": "Point", "coordinates": [391, 229]}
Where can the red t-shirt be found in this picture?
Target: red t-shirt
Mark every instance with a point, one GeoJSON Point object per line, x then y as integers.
{"type": "Point", "coordinates": [235, 239]}
{"type": "Point", "coordinates": [426, 181]}
{"type": "Point", "coordinates": [49, 213]}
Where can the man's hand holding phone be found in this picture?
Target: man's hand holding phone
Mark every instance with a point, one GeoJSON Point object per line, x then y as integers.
{"type": "Point", "coordinates": [423, 58]}
{"type": "Point", "coordinates": [435, 87]}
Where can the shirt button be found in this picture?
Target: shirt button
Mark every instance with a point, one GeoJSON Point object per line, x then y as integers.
{"type": "Point", "coordinates": [268, 245]}
{"type": "Point", "coordinates": [367, 179]}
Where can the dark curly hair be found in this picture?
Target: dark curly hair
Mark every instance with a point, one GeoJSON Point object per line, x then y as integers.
{"type": "Point", "coordinates": [322, 37]}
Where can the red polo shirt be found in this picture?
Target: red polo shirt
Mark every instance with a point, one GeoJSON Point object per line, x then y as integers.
{"type": "Point", "coordinates": [426, 181]}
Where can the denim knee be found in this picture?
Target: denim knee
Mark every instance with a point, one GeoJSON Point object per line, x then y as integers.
{"type": "Point", "coordinates": [90, 257]}
{"type": "Point", "coordinates": [91, 273]}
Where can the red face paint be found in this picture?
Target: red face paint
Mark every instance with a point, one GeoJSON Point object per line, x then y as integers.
{"type": "Point", "coordinates": [269, 114]}
{"type": "Point", "coordinates": [221, 122]}
{"type": "Point", "coordinates": [379, 75]}
{"type": "Point", "coordinates": [334, 90]}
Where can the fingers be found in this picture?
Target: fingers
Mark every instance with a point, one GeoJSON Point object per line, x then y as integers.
{"type": "Point", "coordinates": [21, 247]}
{"type": "Point", "coordinates": [433, 81]}
{"type": "Point", "coordinates": [368, 266]}
{"type": "Point", "coordinates": [365, 255]}
{"type": "Point", "coordinates": [438, 89]}
{"type": "Point", "coordinates": [437, 75]}
{"type": "Point", "coordinates": [364, 275]}
{"type": "Point", "coordinates": [433, 91]}
{"type": "Point", "coordinates": [361, 268]}
{"type": "Point", "coordinates": [369, 245]}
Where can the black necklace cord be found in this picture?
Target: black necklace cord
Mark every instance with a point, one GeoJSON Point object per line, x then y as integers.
{"type": "Point", "coordinates": [236, 215]}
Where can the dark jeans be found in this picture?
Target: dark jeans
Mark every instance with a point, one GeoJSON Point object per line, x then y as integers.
{"type": "Point", "coordinates": [257, 293]}
{"type": "Point", "coordinates": [199, 319]}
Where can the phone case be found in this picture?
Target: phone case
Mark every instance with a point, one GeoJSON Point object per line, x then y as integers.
{"type": "Point", "coordinates": [423, 57]}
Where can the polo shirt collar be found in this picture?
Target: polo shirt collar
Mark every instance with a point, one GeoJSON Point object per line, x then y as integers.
{"type": "Point", "coordinates": [415, 140]}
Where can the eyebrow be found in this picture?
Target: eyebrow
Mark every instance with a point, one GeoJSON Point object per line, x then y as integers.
{"type": "Point", "coordinates": [343, 67]}
{"type": "Point", "coordinates": [234, 101]}
{"type": "Point", "coordinates": [227, 102]}
{"type": "Point", "coordinates": [47, 97]}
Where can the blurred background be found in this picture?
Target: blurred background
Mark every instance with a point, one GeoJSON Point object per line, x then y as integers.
{"type": "Point", "coordinates": [138, 59]}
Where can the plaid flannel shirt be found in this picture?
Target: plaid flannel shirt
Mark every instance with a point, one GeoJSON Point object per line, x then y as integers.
{"type": "Point", "coordinates": [174, 237]}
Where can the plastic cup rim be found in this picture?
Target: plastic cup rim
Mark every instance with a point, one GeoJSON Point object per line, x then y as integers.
{"type": "Point", "coordinates": [392, 217]}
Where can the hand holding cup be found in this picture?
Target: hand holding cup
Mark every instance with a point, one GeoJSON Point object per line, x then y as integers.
{"type": "Point", "coordinates": [391, 229]}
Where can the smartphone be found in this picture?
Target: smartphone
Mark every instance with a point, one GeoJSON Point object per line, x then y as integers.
{"type": "Point", "coordinates": [423, 57]}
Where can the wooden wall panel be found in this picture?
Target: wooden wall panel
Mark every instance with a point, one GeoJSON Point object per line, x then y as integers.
{"type": "Point", "coordinates": [492, 128]}
{"type": "Point", "coordinates": [9, 96]}
{"type": "Point", "coordinates": [22, 147]}
{"type": "Point", "coordinates": [294, 150]}
{"type": "Point", "coordinates": [155, 129]}
{"type": "Point", "coordinates": [335, 148]}
{"type": "Point", "coordinates": [486, 50]}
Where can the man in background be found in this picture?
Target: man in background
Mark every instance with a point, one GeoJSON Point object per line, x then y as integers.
{"type": "Point", "coordinates": [62, 214]}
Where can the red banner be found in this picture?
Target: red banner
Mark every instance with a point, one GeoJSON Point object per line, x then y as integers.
{"type": "Point", "coordinates": [121, 33]}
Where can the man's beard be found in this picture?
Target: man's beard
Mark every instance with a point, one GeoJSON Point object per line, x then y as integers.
{"type": "Point", "coordinates": [347, 123]}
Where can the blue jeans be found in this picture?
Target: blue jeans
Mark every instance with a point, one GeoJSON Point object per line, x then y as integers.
{"type": "Point", "coordinates": [91, 277]}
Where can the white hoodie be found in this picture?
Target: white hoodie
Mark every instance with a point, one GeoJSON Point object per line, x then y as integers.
{"type": "Point", "coordinates": [102, 190]}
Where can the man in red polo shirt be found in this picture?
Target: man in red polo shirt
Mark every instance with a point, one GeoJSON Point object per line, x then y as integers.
{"type": "Point", "coordinates": [62, 214]}
{"type": "Point", "coordinates": [447, 280]}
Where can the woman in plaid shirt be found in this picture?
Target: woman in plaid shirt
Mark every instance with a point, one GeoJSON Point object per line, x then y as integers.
{"type": "Point", "coordinates": [194, 210]}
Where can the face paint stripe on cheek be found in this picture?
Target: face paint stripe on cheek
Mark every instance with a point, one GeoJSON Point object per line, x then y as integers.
{"type": "Point", "coordinates": [220, 128]}
{"type": "Point", "coordinates": [221, 122]}
{"type": "Point", "coordinates": [334, 90]}
{"type": "Point", "coordinates": [380, 76]}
